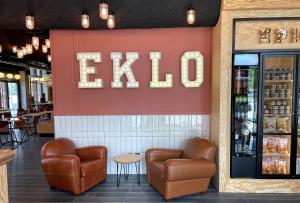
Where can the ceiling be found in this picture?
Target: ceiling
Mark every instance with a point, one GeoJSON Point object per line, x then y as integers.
{"type": "Point", "coordinates": [65, 14]}
{"type": "Point", "coordinates": [8, 38]}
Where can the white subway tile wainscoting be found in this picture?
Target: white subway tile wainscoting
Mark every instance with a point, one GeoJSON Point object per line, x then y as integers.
{"type": "Point", "coordinates": [131, 133]}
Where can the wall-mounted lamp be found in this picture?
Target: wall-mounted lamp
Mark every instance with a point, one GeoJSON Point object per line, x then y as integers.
{"type": "Point", "coordinates": [17, 77]}
{"type": "Point", "coordinates": [29, 20]}
{"type": "Point", "coordinates": [0, 48]}
{"type": "Point", "coordinates": [49, 58]}
{"type": "Point", "coordinates": [9, 76]}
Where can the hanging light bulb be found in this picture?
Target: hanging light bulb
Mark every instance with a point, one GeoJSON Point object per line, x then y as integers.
{"type": "Point", "coordinates": [2, 75]}
{"type": "Point", "coordinates": [111, 21]}
{"type": "Point", "coordinates": [29, 48]}
{"type": "Point", "coordinates": [85, 21]}
{"type": "Point", "coordinates": [44, 49]}
{"type": "Point", "coordinates": [190, 16]}
{"type": "Point", "coordinates": [29, 19]}
{"type": "Point", "coordinates": [103, 10]}
{"type": "Point", "coordinates": [35, 42]}
{"type": "Point", "coordinates": [20, 53]}
{"type": "Point", "coordinates": [47, 42]}
{"type": "Point", "coordinates": [24, 51]}
{"type": "Point", "coordinates": [17, 77]}
{"type": "Point", "coordinates": [14, 49]}
{"type": "Point", "coordinates": [49, 58]}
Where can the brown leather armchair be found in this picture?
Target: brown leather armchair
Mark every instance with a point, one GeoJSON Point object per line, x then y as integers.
{"type": "Point", "coordinates": [73, 169]}
{"type": "Point", "coordinates": [181, 172]}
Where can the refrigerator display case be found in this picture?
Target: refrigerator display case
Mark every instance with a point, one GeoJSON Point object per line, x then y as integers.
{"type": "Point", "coordinates": [277, 107]}
{"type": "Point", "coordinates": [265, 115]}
{"type": "Point", "coordinates": [244, 117]}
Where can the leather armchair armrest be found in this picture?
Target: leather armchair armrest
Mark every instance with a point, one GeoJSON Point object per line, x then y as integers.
{"type": "Point", "coordinates": [158, 154]}
{"type": "Point", "coordinates": [92, 153]}
{"type": "Point", "coordinates": [62, 165]}
{"type": "Point", "coordinates": [188, 169]}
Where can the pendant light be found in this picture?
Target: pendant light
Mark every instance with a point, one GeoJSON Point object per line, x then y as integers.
{"type": "Point", "coordinates": [29, 48]}
{"type": "Point", "coordinates": [103, 10]}
{"type": "Point", "coordinates": [190, 16]}
{"type": "Point", "coordinates": [24, 51]}
{"type": "Point", "coordinates": [44, 49]}
{"type": "Point", "coordinates": [14, 49]}
{"type": "Point", "coordinates": [49, 58]}
{"type": "Point", "coordinates": [47, 42]}
{"type": "Point", "coordinates": [29, 20]}
{"type": "Point", "coordinates": [35, 42]}
{"type": "Point", "coordinates": [2, 75]}
{"type": "Point", "coordinates": [20, 53]}
{"type": "Point", "coordinates": [85, 21]}
{"type": "Point", "coordinates": [111, 21]}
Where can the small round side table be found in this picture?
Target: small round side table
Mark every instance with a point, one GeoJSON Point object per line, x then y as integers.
{"type": "Point", "coordinates": [125, 160]}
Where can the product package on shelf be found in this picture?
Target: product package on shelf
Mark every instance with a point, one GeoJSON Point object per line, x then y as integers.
{"type": "Point", "coordinates": [276, 124]}
{"type": "Point", "coordinates": [275, 145]}
{"type": "Point", "coordinates": [274, 165]}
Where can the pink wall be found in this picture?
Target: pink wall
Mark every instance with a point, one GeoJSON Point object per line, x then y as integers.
{"type": "Point", "coordinates": [172, 43]}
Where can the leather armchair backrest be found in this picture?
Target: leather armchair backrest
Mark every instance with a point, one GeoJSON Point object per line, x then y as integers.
{"type": "Point", "coordinates": [58, 147]}
{"type": "Point", "coordinates": [197, 148]}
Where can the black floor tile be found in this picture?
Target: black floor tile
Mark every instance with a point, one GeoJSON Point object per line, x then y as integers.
{"type": "Point", "coordinates": [27, 183]}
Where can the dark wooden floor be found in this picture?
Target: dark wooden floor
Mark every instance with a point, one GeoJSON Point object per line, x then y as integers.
{"type": "Point", "coordinates": [27, 184]}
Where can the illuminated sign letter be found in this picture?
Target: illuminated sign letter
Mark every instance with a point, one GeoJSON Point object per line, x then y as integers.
{"type": "Point", "coordinates": [155, 83]}
{"type": "Point", "coordinates": [198, 57]}
{"type": "Point", "coordinates": [85, 70]}
{"type": "Point", "coordinates": [119, 71]}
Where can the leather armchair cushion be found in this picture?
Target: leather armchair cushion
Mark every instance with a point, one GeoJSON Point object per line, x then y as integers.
{"type": "Point", "coordinates": [62, 165]}
{"type": "Point", "coordinates": [89, 167]}
{"type": "Point", "coordinates": [187, 169]}
{"type": "Point", "coordinates": [92, 153]}
{"type": "Point", "coordinates": [157, 154]}
{"type": "Point", "coordinates": [58, 147]}
{"type": "Point", "coordinates": [158, 168]}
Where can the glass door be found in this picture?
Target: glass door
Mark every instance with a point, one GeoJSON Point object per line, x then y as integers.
{"type": "Point", "coordinates": [244, 115]}
{"type": "Point", "coordinates": [277, 111]}
{"type": "Point", "coordinates": [3, 96]}
{"type": "Point", "coordinates": [13, 97]}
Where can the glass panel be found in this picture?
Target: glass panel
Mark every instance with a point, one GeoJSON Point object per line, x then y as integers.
{"type": "Point", "coordinates": [278, 94]}
{"type": "Point", "coordinates": [13, 97]}
{"type": "Point", "coordinates": [3, 96]}
{"type": "Point", "coordinates": [245, 110]}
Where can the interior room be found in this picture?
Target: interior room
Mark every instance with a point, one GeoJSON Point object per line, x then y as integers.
{"type": "Point", "coordinates": [149, 101]}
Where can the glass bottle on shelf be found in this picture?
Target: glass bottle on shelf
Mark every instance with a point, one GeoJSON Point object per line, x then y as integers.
{"type": "Point", "coordinates": [245, 110]}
